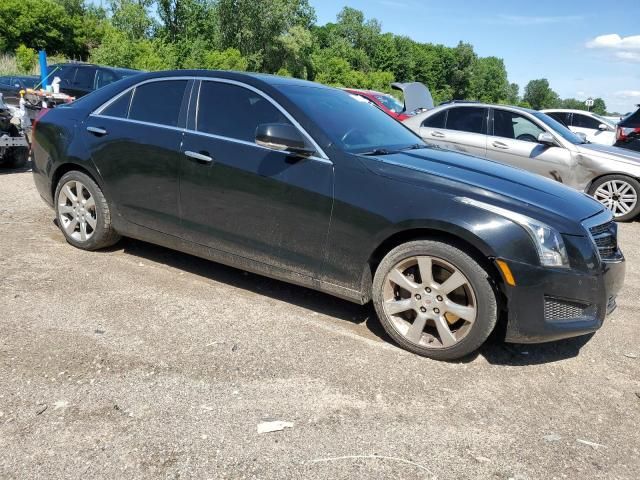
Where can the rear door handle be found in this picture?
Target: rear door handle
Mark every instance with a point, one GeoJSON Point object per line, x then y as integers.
{"type": "Point", "coordinates": [97, 131]}
{"type": "Point", "coordinates": [437, 134]}
{"type": "Point", "coordinates": [500, 145]}
{"type": "Point", "coordinates": [200, 157]}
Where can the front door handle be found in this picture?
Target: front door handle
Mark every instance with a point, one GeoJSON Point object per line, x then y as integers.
{"type": "Point", "coordinates": [500, 145]}
{"type": "Point", "coordinates": [437, 134]}
{"type": "Point", "coordinates": [97, 131]}
{"type": "Point", "coordinates": [200, 157]}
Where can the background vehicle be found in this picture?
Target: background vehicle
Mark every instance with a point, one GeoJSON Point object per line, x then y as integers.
{"type": "Point", "coordinates": [596, 128]}
{"type": "Point", "coordinates": [304, 183]}
{"type": "Point", "coordinates": [78, 79]}
{"type": "Point", "coordinates": [416, 95]}
{"type": "Point", "coordinates": [10, 87]}
{"type": "Point", "coordinates": [14, 149]}
{"type": "Point", "coordinates": [628, 132]}
{"type": "Point", "coordinates": [536, 142]}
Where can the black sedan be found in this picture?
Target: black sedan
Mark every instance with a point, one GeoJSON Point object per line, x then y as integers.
{"type": "Point", "coordinates": [10, 86]}
{"type": "Point", "coordinates": [307, 184]}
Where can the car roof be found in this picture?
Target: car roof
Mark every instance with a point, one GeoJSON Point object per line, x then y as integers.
{"type": "Point", "coordinates": [566, 110]}
{"type": "Point", "coordinates": [365, 92]}
{"type": "Point", "coordinates": [81, 65]}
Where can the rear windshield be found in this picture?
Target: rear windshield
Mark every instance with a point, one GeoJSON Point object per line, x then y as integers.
{"type": "Point", "coordinates": [632, 120]}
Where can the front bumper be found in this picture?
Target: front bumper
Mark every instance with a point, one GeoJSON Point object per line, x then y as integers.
{"type": "Point", "coordinates": [551, 304]}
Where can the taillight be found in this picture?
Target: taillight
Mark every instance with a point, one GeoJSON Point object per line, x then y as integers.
{"type": "Point", "coordinates": [623, 134]}
{"type": "Point", "coordinates": [620, 136]}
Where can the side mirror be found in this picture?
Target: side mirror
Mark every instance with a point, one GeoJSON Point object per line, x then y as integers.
{"type": "Point", "coordinates": [603, 127]}
{"type": "Point", "coordinates": [582, 135]}
{"type": "Point", "coordinates": [284, 137]}
{"type": "Point", "coordinates": [547, 139]}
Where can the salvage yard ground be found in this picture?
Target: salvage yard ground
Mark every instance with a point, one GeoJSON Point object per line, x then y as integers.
{"type": "Point", "coordinates": [141, 362]}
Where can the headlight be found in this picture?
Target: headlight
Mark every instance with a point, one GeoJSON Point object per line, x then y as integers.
{"type": "Point", "coordinates": [548, 241]}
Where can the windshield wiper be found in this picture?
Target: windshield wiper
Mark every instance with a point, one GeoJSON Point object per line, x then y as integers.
{"type": "Point", "coordinates": [415, 146]}
{"type": "Point", "coordinates": [378, 151]}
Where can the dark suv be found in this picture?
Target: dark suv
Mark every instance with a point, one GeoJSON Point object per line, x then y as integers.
{"type": "Point", "coordinates": [628, 131]}
{"type": "Point", "coordinates": [78, 79]}
{"type": "Point", "coordinates": [304, 183]}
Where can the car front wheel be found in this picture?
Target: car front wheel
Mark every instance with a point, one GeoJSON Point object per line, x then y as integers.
{"type": "Point", "coordinates": [619, 194]}
{"type": "Point", "coordinates": [83, 212]}
{"type": "Point", "coordinates": [434, 299]}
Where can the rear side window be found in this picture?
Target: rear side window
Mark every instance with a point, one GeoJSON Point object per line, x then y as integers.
{"type": "Point", "coordinates": [105, 77]}
{"type": "Point", "coordinates": [84, 78]}
{"type": "Point", "coordinates": [584, 121]}
{"type": "Point", "coordinates": [234, 112]}
{"type": "Point", "coordinates": [562, 117]}
{"type": "Point", "coordinates": [467, 119]}
{"type": "Point", "coordinates": [119, 108]}
{"type": "Point", "coordinates": [158, 102]}
{"type": "Point", "coordinates": [66, 74]}
{"type": "Point", "coordinates": [436, 121]}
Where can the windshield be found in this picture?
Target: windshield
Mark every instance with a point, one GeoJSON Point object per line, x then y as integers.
{"type": "Point", "coordinates": [353, 125]}
{"type": "Point", "coordinates": [604, 120]}
{"type": "Point", "coordinates": [391, 103]}
{"type": "Point", "coordinates": [559, 128]}
{"type": "Point", "coordinates": [29, 82]}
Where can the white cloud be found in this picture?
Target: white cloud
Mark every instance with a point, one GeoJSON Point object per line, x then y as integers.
{"type": "Point", "coordinates": [628, 94]}
{"type": "Point", "coordinates": [623, 48]}
{"type": "Point", "coordinates": [525, 20]}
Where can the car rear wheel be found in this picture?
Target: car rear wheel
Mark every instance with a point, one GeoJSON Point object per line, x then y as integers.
{"type": "Point", "coordinates": [83, 212]}
{"type": "Point", "coordinates": [619, 194]}
{"type": "Point", "coordinates": [434, 299]}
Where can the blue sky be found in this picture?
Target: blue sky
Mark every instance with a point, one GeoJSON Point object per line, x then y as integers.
{"type": "Point", "coordinates": [583, 47]}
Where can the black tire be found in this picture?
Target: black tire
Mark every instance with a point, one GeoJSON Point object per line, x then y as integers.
{"type": "Point", "coordinates": [478, 280]}
{"type": "Point", "coordinates": [17, 157]}
{"type": "Point", "coordinates": [635, 186]}
{"type": "Point", "coordinates": [104, 235]}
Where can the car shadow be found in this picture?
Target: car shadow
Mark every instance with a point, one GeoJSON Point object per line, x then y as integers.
{"type": "Point", "coordinates": [7, 171]}
{"type": "Point", "coordinates": [495, 350]}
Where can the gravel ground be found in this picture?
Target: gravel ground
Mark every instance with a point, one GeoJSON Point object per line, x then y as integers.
{"type": "Point", "coordinates": [141, 362]}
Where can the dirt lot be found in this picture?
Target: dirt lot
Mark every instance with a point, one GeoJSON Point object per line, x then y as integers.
{"type": "Point", "coordinates": [140, 362]}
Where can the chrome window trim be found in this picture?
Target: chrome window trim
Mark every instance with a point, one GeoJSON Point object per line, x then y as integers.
{"type": "Point", "coordinates": [322, 156]}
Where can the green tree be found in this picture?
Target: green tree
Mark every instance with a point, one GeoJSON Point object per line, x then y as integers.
{"type": "Point", "coordinates": [488, 81]}
{"type": "Point", "coordinates": [599, 106]}
{"type": "Point", "coordinates": [462, 71]}
{"type": "Point", "coordinates": [132, 17]}
{"type": "Point", "coordinates": [539, 95]}
{"type": "Point", "coordinates": [26, 59]}
{"type": "Point", "coordinates": [513, 94]}
{"type": "Point", "coordinates": [229, 59]}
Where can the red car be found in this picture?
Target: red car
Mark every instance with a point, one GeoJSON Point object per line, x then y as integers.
{"type": "Point", "coordinates": [417, 98]}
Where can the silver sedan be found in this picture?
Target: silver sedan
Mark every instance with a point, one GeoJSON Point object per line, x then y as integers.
{"type": "Point", "coordinates": [536, 142]}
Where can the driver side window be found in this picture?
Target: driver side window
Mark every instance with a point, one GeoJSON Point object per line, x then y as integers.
{"type": "Point", "coordinates": [515, 126]}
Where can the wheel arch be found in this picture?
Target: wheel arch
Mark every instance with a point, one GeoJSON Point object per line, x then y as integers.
{"type": "Point", "coordinates": [609, 174]}
{"type": "Point", "coordinates": [68, 167]}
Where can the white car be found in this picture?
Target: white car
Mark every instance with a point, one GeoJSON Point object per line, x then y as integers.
{"type": "Point", "coordinates": [597, 129]}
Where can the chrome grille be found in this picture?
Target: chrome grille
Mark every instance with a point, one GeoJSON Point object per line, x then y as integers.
{"type": "Point", "coordinates": [605, 236]}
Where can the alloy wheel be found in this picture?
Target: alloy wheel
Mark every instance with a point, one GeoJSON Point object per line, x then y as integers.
{"type": "Point", "coordinates": [77, 211]}
{"type": "Point", "coordinates": [430, 302]}
{"type": "Point", "coordinates": [618, 196]}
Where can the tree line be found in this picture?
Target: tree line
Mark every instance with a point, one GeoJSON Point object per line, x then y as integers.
{"type": "Point", "coordinates": [271, 36]}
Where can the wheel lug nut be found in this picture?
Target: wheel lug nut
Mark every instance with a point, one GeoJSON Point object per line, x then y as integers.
{"type": "Point", "coordinates": [439, 298]}
{"type": "Point", "coordinates": [423, 310]}
{"type": "Point", "coordinates": [436, 310]}
{"type": "Point", "coordinates": [418, 297]}
{"type": "Point", "coordinates": [428, 290]}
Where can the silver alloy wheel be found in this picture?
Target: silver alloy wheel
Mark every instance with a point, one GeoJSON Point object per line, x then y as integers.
{"type": "Point", "coordinates": [429, 301]}
{"type": "Point", "coordinates": [618, 196]}
{"type": "Point", "coordinates": [77, 211]}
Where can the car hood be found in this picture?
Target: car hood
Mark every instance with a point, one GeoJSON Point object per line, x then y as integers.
{"type": "Point", "coordinates": [416, 96]}
{"type": "Point", "coordinates": [464, 175]}
{"type": "Point", "coordinates": [610, 152]}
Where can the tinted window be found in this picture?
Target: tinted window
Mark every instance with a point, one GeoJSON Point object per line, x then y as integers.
{"type": "Point", "coordinates": [158, 102]}
{"type": "Point", "coordinates": [84, 78]}
{"type": "Point", "coordinates": [5, 81]}
{"type": "Point", "coordinates": [119, 108]}
{"type": "Point", "coordinates": [353, 125]}
{"type": "Point", "coordinates": [65, 73]}
{"type": "Point", "coordinates": [584, 121]}
{"type": "Point", "coordinates": [436, 121]}
{"type": "Point", "coordinates": [562, 117]}
{"type": "Point", "coordinates": [105, 77]}
{"type": "Point", "coordinates": [515, 126]}
{"type": "Point", "coordinates": [391, 103]}
{"type": "Point", "coordinates": [232, 111]}
{"type": "Point", "coordinates": [467, 119]}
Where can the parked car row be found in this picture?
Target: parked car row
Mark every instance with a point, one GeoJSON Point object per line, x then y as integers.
{"type": "Point", "coordinates": [315, 186]}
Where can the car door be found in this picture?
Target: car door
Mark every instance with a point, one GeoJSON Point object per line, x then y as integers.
{"type": "Point", "coordinates": [590, 126]}
{"type": "Point", "coordinates": [135, 145]}
{"type": "Point", "coordinates": [459, 128]}
{"type": "Point", "coordinates": [514, 141]}
{"type": "Point", "coordinates": [236, 196]}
